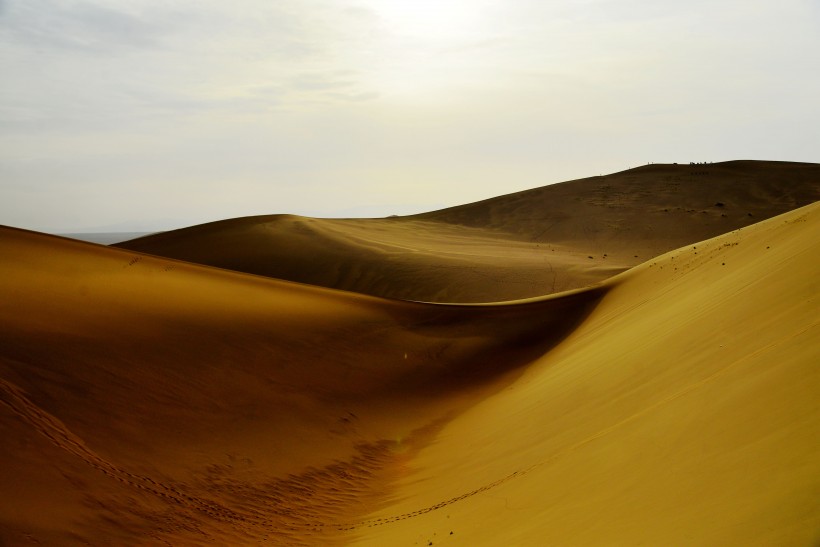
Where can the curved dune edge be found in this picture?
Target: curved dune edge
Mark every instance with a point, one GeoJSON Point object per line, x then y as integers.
{"type": "Point", "coordinates": [150, 400]}
{"type": "Point", "coordinates": [522, 245]}
{"type": "Point", "coordinates": [682, 410]}
{"type": "Point", "coordinates": [153, 400]}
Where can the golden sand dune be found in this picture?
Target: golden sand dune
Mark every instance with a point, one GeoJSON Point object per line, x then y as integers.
{"type": "Point", "coordinates": [149, 401]}
{"type": "Point", "coordinates": [541, 241]}
{"type": "Point", "coordinates": [402, 258]}
{"type": "Point", "coordinates": [149, 398]}
{"type": "Point", "coordinates": [685, 410]}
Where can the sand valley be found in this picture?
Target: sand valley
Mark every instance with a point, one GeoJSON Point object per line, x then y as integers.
{"type": "Point", "coordinates": [629, 359]}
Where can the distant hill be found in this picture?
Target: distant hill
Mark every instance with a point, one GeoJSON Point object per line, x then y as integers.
{"type": "Point", "coordinates": [526, 244]}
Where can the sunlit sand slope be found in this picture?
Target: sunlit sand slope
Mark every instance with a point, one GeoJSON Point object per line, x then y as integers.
{"type": "Point", "coordinates": [685, 410]}
{"type": "Point", "coordinates": [145, 400]}
{"type": "Point", "coordinates": [531, 243]}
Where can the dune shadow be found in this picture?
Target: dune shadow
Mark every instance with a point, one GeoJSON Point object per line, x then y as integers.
{"type": "Point", "coordinates": [480, 344]}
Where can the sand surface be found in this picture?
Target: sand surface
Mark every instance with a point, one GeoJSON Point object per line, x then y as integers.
{"type": "Point", "coordinates": [151, 401]}
{"type": "Point", "coordinates": [684, 411]}
{"type": "Point", "coordinates": [542, 241]}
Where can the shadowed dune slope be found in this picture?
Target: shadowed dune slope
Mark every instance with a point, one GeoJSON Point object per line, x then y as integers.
{"type": "Point", "coordinates": [145, 400]}
{"type": "Point", "coordinates": [685, 410]}
{"type": "Point", "coordinates": [148, 401]}
{"type": "Point", "coordinates": [531, 243]}
{"type": "Point", "coordinates": [395, 258]}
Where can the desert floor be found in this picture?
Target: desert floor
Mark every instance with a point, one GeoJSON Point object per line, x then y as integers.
{"type": "Point", "coordinates": [621, 360]}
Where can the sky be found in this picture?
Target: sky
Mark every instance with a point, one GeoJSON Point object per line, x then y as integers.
{"type": "Point", "coordinates": [156, 114]}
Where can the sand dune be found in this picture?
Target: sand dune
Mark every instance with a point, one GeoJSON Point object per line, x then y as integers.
{"type": "Point", "coordinates": [684, 411]}
{"type": "Point", "coordinates": [149, 398]}
{"type": "Point", "coordinates": [404, 258]}
{"type": "Point", "coordinates": [528, 244]}
{"type": "Point", "coordinates": [151, 401]}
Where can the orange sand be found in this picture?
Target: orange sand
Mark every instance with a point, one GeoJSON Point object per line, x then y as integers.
{"type": "Point", "coordinates": [149, 401]}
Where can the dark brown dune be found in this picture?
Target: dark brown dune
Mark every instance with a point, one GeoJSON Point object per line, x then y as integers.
{"type": "Point", "coordinates": [527, 244]}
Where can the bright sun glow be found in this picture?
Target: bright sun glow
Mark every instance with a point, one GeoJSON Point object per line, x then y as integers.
{"type": "Point", "coordinates": [432, 20]}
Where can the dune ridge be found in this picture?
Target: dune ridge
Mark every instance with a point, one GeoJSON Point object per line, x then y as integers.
{"type": "Point", "coordinates": [682, 410]}
{"type": "Point", "coordinates": [149, 400]}
{"type": "Point", "coordinates": [541, 241]}
{"type": "Point", "coordinates": [147, 370]}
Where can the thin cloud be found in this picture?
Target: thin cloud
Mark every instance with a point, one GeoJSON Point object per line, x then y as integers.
{"type": "Point", "coordinates": [81, 26]}
{"type": "Point", "coordinates": [152, 108]}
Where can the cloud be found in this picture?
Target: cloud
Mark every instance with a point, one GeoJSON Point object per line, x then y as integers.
{"type": "Point", "coordinates": [82, 26]}
{"type": "Point", "coordinates": [307, 106]}
{"type": "Point", "coordinates": [106, 65]}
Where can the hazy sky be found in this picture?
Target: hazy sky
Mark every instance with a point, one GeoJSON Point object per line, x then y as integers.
{"type": "Point", "coordinates": [153, 114]}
